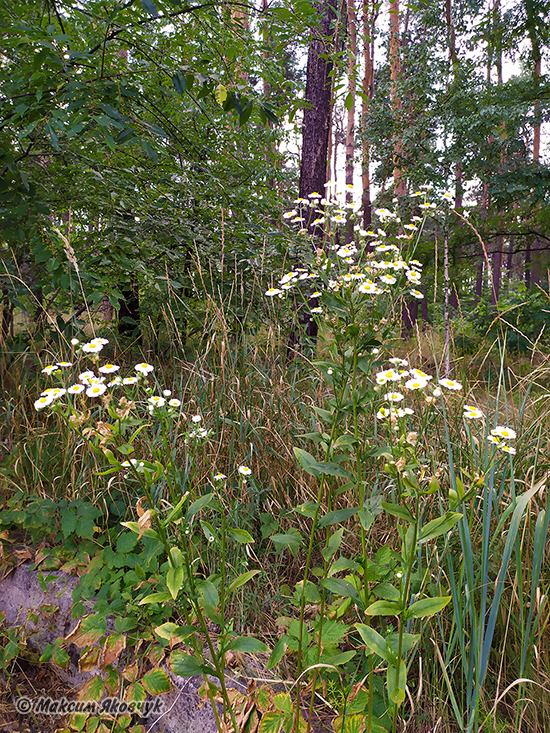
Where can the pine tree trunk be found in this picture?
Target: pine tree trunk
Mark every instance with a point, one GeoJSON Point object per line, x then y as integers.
{"type": "Point", "coordinates": [352, 88]}
{"type": "Point", "coordinates": [369, 20]}
{"type": "Point", "coordinates": [316, 124]}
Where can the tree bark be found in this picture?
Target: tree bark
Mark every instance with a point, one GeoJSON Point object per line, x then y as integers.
{"type": "Point", "coordinates": [316, 123]}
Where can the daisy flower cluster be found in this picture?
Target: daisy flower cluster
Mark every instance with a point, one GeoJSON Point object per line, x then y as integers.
{"type": "Point", "coordinates": [372, 264]}
{"type": "Point", "coordinates": [500, 436]}
{"type": "Point", "coordinates": [93, 384]}
{"type": "Point", "coordinates": [400, 380]}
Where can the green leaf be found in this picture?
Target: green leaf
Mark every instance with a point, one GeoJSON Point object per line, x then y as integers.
{"type": "Point", "coordinates": [197, 505]}
{"type": "Point", "coordinates": [241, 580]}
{"type": "Point", "coordinates": [126, 543]}
{"type": "Point", "coordinates": [333, 469]}
{"type": "Point", "coordinates": [397, 510]}
{"type": "Point", "coordinates": [286, 540]}
{"type": "Point", "coordinates": [396, 680]}
{"type": "Point", "coordinates": [185, 665]}
{"type": "Point", "coordinates": [348, 102]}
{"type": "Point", "coordinates": [383, 608]}
{"type": "Point", "coordinates": [427, 607]}
{"type": "Point", "coordinates": [308, 509]}
{"type": "Point", "coordinates": [306, 461]}
{"type": "Point", "coordinates": [333, 544]}
{"type": "Point", "coordinates": [366, 518]}
{"type": "Point", "coordinates": [342, 658]}
{"type": "Point", "coordinates": [156, 598]}
{"type": "Point", "coordinates": [174, 580]}
{"type": "Point", "coordinates": [247, 644]}
{"type": "Point", "coordinates": [146, 145]}
{"type": "Point", "coordinates": [337, 516]}
{"type": "Point", "coordinates": [150, 8]}
{"type": "Point", "coordinates": [439, 526]}
{"type": "Point", "coordinates": [374, 641]}
{"type": "Point", "coordinates": [386, 591]}
{"type": "Point", "coordinates": [209, 594]}
{"type": "Point", "coordinates": [241, 535]}
{"type": "Point", "coordinates": [342, 588]}
{"type": "Point", "coordinates": [278, 652]}
{"type": "Point", "coordinates": [156, 682]}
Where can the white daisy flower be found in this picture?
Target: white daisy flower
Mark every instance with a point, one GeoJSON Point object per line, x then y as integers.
{"type": "Point", "coordinates": [416, 384]}
{"type": "Point", "coordinates": [196, 419]}
{"type": "Point", "coordinates": [393, 396]}
{"type": "Point", "coordinates": [174, 403]}
{"type": "Point", "coordinates": [96, 390]}
{"type": "Point", "coordinates": [64, 364]}
{"type": "Point", "coordinates": [76, 389]}
{"type": "Point", "coordinates": [74, 342]}
{"type": "Point", "coordinates": [472, 413]}
{"type": "Point", "coordinates": [244, 470]}
{"type": "Point", "coordinates": [219, 477]}
{"type": "Point", "coordinates": [130, 380]}
{"type": "Point", "coordinates": [508, 449]}
{"type": "Point", "coordinates": [416, 294]}
{"type": "Point", "coordinates": [272, 292]}
{"type": "Point", "coordinates": [144, 368]}
{"type": "Point", "coordinates": [92, 347]}
{"type": "Point", "coordinates": [86, 376]}
{"type": "Point", "coordinates": [503, 432]}
{"type": "Point", "coordinates": [42, 402]}
{"type": "Point", "coordinates": [50, 369]}
{"type": "Point", "coordinates": [156, 401]}
{"type": "Point", "coordinates": [450, 384]}
{"type": "Point", "coordinates": [109, 368]}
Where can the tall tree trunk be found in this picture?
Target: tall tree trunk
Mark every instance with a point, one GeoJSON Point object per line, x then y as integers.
{"type": "Point", "coordinates": [370, 12]}
{"type": "Point", "coordinates": [530, 8]}
{"type": "Point", "coordinates": [315, 128]}
{"type": "Point", "coordinates": [352, 88]}
{"type": "Point", "coordinates": [395, 98]}
{"type": "Point", "coordinates": [315, 135]}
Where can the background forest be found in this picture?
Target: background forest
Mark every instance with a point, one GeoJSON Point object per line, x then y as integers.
{"type": "Point", "coordinates": [265, 216]}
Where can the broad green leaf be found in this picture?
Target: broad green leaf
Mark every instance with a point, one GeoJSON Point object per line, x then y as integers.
{"type": "Point", "coordinates": [337, 516]}
{"type": "Point", "coordinates": [386, 591]}
{"type": "Point", "coordinates": [156, 598]}
{"type": "Point", "coordinates": [374, 641]}
{"type": "Point", "coordinates": [247, 644]}
{"type": "Point", "coordinates": [156, 682]}
{"type": "Point", "coordinates": [334, 542]}
{"type": "Point", "coordinates": [174, 580]}
{"type": "Point", "coordinates": [396, 680]}
{"type": "Point", "coordinates": [397, 510]}
{"type": "Point", "coordinates": [286, 540]}
{"type": "Point", "coordinates": [306, 461]}
{"type": "Point", "coordinates": [197, 505]}
{"type": "Point", "coordinates": [342, 658]}
{"type": "Point", "coordinates": [308, 509]}
{"type": "Point", "coordinates": [439, 526]}
{"type": "Point", "coordinates": [272, 722]}
{"type": "Point", "coordinates": [278, 652]}
{"type": "Point", "coordinates": [342, 588]}
{"type": "Point", "coordinates": [209, 594]}
{"type": "Point", "coordinates": [366, 519]}
{"type": "Point", "coordinates": [333, 469]}
{"type": "Point", "coordinates": [383, 608]}
{"type": "Point", "coordinates": [241, 535]}
{"type": "Point", "coordinates": [185, 665]}
{"type": "Point", "coordinates": [241, 580]}
{"type": "Point", "coordinates": [427, 607]}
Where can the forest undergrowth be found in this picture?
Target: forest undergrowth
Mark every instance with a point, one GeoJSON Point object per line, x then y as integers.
{"type": "Point", "coordinates": [367, 515]}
